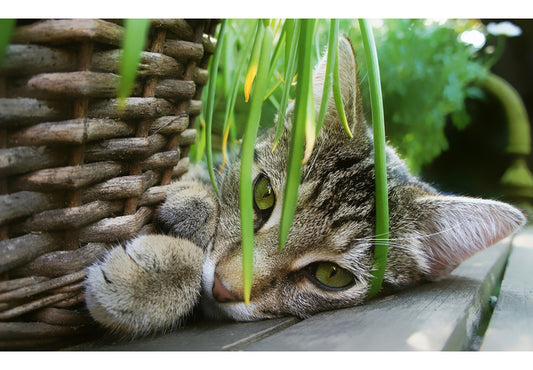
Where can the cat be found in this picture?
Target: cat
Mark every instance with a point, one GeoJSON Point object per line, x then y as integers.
{"type": "Point", "coordinates": [328, 257]}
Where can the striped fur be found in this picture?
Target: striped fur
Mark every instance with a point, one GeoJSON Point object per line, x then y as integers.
{"type": "Point", "coordinates": [430, 234]}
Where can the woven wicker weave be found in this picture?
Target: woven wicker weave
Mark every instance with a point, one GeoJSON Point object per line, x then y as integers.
{"type": "Point", "coordinates": [77, 174]}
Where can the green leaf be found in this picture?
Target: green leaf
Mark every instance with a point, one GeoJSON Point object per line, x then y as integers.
{"type": "Point", "coordinates": [213, 70]}
{"type": "Point", "coordinates": [230, 106]}
{"type": "Point", "coordinates": [253, 64]}
{"type": "Point", "coordinates": [292, 36]}
{"type": "Point", "coordinates": [380, 160]}
{"type": "Point", "coordinates": [337, 95]}
{"type": "Point", "coordinates": [135, 32]}
{"type": "Point", "coordinates": [304, 109]}
{"type": "Point", "coordinates": [6, 29]}
{"type": "Point", "coordinates": [333, 46]}
{"type": "Point", "coordinates": [247, 158]}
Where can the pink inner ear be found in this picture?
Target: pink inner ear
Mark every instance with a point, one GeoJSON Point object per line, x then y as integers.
{"type": "Point", "coordinates": [458, 227]}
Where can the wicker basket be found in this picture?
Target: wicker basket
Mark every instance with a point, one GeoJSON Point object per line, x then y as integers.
{"type": "Point", "coordinates": [77, 174]}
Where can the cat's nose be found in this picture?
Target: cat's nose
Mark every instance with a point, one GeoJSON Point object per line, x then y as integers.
{"type": "Point", "coordinates": [221, 293]}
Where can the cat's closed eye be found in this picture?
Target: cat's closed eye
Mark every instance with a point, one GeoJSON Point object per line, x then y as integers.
{"type": "Point", "coordinates": [329, 276]}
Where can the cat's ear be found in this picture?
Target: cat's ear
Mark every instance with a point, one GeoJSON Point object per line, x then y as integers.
{"type": "Point", "coordinates": [450, 229]}
{"type": "Point", "coordinates": [348, 84]}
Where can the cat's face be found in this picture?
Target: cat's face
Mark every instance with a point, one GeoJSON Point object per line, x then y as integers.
{"type": "Point", "coordinates": [327, 260]}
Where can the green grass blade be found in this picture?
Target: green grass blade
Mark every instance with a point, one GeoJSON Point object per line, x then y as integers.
{"type": "Point", "coordinates": [378, 123]}
{"type": "Point", "coordinates": [198, 149]}
{"type": "Point", "coordinates": [6, 29]}
{"type": "Point", "coordinates": [230, 106]}
{"type": "Point", "coordinates": [303, 106]}
{"type": "Point", "coordinates": [277, 50]}
{"type": "Point", "coordinates": [135, 32]}
{"type": "Point", "coordinates": [333, 46]}
{"type": "Point", "coordinates": [253, 64]}
{"type": "Point", "coordinates": [338, 97]}
{"type": "Point", "coordinates": [293, 32]}
{"type": "Point", "coordinates": [247, 158]}
{"type": "Point", "coordinates": [210, 103]}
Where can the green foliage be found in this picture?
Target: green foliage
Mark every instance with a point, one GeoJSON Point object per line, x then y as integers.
{"type": "Point", "coordinates": [380, 160]}
{"type": "Point", "coordinates": [213, 70]}
{"type": "Point", "coordinates": [6, 28]}
{"type": "Point", "coordinates": [135, 32]}
{"type": "Point", "coordinates": [304, 116]}
{"type": "Point", "coordinates": [427, 74]}
{"type": "Point", "coordinates": [264, 41]}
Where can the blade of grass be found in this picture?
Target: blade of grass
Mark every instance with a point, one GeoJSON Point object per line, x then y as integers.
{"type": "Point", "coordinates": [210, 103]}
{"type": "Point", "coordinates": [198, 149]}
{"type": "Point", "coordinates": [292, 36]}
{"type": "Point", "coordinates": [247, 158]}
{"type": "Point", "coordinates": [277, 50]}
{"type": "Point", "coordinates": [135, 32]}
{"type": "Point", "coordinates": [253, 65]}
{"type": "Point", "coordinates": [303, 106]}
{"type": "Point", "coordinates": [6, 29]}
{"type": "Point", "coordinates": [310, 126]}
{"type": "Point", "coordinates": [230, 106]}
{"type": "Point", "coordinates": [333, 46]}
{"type": "Point", "coordinates": [337, 95]}
{"type": "Point", "coordinates": [380, 160]}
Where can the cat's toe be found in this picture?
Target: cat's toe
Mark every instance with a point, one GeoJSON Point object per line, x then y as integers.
{"type": "Point", "coordinates": [147, 286]}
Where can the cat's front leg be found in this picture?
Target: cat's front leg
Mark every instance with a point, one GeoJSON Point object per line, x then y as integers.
{"type": "Point", "coordinates": [190, 211]}
{"type": "Point", "coordinates": [148, 285]}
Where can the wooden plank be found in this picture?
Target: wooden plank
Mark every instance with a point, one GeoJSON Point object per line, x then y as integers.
{"type": "Point", "coordinates": [152, 64]}
{"type": "Point", "coordinates": [199, 336]}
{"type": "Point", "coordinates": [71, 132]}
{"type": "Point", "coordinates": [110, 230]}
{"type": "Point", "coordinates": [175, 89]}
{"type": "Point", "coordinates": [68, 30]}
{"type": "Point", "coordinates": [134, 108]}
{"type": "Point", "coordinates": [60, 263]}
{"type": "Point", "coordinates": [75, 84]}
{"type": "Point", "coordinates": [68, 218]}
{"type": "Point", "coordinates": [24, 203]}
{"type": "Point", "coordinates": [511, 325]}
{"type": "Point", "coordinates": [23, 249]}
{"type": "Point", "coordinates": [178, 26]}
{"type": "Point", "coordinates": [17, 112]}
{"type": "Point", "coordinates": [20, 60]}
{"type": "Point", "coordinates": [23, 159]}
{"type": "Point", "coordinates": [434, 316]}
{"type": "Point", "coordinates": [183, 49]}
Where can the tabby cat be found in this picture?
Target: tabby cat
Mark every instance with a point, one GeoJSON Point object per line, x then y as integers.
{"type": "Point", "coordinates": [152, 282]}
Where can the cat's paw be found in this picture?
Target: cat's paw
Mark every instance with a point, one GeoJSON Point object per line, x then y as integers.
{"type": "Point", "coordinates": [148, 285]}
{"type": "Point", "coordinates": [190, 211]}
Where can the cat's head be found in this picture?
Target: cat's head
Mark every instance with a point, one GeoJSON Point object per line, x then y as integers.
{"type": "Point", "coordinates": [327, 260]}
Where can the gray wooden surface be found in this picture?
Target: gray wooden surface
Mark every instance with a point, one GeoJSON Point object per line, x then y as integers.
{"type": "Point", "coordinates": [511, 325]}
{"type": "Point", "coordinates": [444, 315]}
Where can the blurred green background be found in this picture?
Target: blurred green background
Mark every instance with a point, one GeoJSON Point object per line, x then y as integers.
{"type": "Point", "coordinates": [476, 158]}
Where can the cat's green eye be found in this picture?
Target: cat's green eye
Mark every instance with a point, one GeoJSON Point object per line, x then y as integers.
{"type": "Point", "coordinates": [264, 197]}
{"type": "Point", "coordinates": [332, 276]}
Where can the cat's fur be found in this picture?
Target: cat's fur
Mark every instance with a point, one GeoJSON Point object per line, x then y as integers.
{"type": "Point", "coordinates": [430, 233]}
